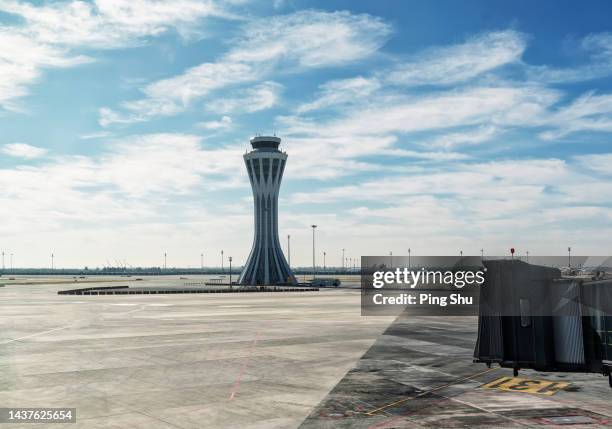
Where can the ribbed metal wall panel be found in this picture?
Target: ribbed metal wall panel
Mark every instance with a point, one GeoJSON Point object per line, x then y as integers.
{"type": "Point", "coordinates": [569, 342]}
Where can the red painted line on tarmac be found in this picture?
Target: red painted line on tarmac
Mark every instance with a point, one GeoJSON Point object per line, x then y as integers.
{"type": "Point", "coordinates": [245, 365]}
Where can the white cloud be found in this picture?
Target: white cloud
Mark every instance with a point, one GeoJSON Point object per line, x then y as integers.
{"type": "Point", "coordinates": [472, 106]}
{"type": "Point", "coordinates": [109, 24]}
{"type": "Point", "coordinates": [521, 202]}
{"type": "Point", "coordinates": [472, 136]}
{"type": "Point", "coordinates": [137, 166]}
{"type": "Point", "coordinates": [370, 115]}
{"type": "Point", "coordinates": [341, 92]}
{"type": "Point", "coordinates": [137, 179]}
{"type": "Point", "coordinates": [429, 156]}
{"type": "Point", "coordinates": [23, 150]}
{"type": "Point", "coordinates": [589, 112]}
{"type": "Point", "coordinates": [259, 97]}
{"type": "Point", "coordinates": [170, 96]}
{"type": "Point", "coordinates": [331, 157]}
{"type": "Point", "coordinates": [96, 135]}
{"type": "Point", "coordinates": [194, 83]}
{"type": "Point", "coordinates": [108, 116]}
{"type": "Point", "coordinates": [494, 180]}
{"type": "Point", "coordinates": [51, 33]}
{"type": "Point", "coordinates": [598, 163]}
{"type": "Point", "coordinates": [394, 156]}
{"type": "Point", "coordinates": [165, 164]}
{"type": "Point", "coordinates": [22, 60]}
{"type": "Point", "coordinates": [458, 63]}
{"type": "Point", "coordinates": [311, 39]}
{"type": "Point", "coordinates": [375, 106]}
{"type": "Point", "coordinates": [307, 39]}
{"type": "Point", "coordinates": [599, 48]}
{"type": "Point", "coordinates": [371, 118]}
{"type": "Point", "coordinates": [140, 191]}
{"type": "Point", "coordinates": [383, 125]}
{"type": "Point", "coordinates": [477, 193]}
{"type": "Point", "coordinates": [134, 183]}
{"type": "Point", "coordinates": [224, 122]}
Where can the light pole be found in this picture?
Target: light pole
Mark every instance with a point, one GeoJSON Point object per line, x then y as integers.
{"type": "Point", "coordinates": [314, 267]}
{"type": "Point", "coordinates": [409, 266]}
{"type": "Point", "coordinates": [222, 269]}
{"type": "Point", "coordinates": [52, 263]}
{"type": "Point", "coordinates": [569, 258]}
{"type": "Point", "coordinates": [324, 254]}
{"type": "Point", "coordinates": [527, 256]}
{"type": "Point", "coordinates": [230, 268]}
{"type": "Point", "coordinates": [343, 259]}
{"type": "Point", "coordinates": [165, 260]}
{"type": "Point", "coordinates": [481, 253]}
{"type": "Point", "coordinates": [289, 250]}
{"type": "Point", "coordinates": [391, 260]}
{"type": "Point", "coordinates": [202, 261]}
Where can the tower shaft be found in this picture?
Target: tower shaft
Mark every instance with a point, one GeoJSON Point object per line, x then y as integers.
{"type": "Point", "coordinates": [266, 263]}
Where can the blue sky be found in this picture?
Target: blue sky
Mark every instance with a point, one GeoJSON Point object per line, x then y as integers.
{"type": "Point", "coordinates": [437, 126]}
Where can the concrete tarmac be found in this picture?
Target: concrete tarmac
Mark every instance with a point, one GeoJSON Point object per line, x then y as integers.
{"type": "Point", "coordinates": [277, 360]}
{"type": "Point", "coordinates": [177, 361]}
{"type": "Point", "coordinates": [419, 374]}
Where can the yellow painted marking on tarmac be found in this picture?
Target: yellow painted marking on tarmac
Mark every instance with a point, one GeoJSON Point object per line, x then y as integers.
{"type": "Point", "coordinates": [526, 385]}
{"type": "Point", "coordinates": [393, 404]}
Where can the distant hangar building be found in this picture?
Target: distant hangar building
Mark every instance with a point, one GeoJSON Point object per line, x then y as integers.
{"type": "Point", "coordinates": [266, 263]}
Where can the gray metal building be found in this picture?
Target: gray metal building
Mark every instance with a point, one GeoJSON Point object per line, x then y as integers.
{"type": "Point", "coordinates": [266, 263]}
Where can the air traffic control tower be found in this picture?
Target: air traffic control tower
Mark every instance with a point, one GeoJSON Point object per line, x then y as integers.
{"type": "Point", "coordinates": [266, 264]}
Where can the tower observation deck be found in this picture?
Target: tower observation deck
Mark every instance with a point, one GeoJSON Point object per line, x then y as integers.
{"type": "Point", "coordinates": [266, 263]}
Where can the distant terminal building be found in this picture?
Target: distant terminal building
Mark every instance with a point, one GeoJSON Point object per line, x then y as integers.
{"type": "Point", "coordinates": [266, 263]}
